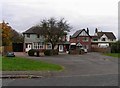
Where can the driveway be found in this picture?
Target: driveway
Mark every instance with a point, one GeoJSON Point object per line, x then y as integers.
{"type": "Point", "coordinates": [87, 64]}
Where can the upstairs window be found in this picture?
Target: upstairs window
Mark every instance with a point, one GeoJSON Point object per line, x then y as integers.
{"type": "Point", "coordinates": [95, 39]}
{"type": "Point", "coordinates": [49, 46]}
{"type": "Point", "coordinates": [103, 39]}
{"type": "Point", "coordinates": [111, 39]}
{"type": "Point", "coordinates": [28, 35]}
{"type": "Point", "coordinates": [38, 36]}
{"type": "Point", "coordinates": [85, 39]}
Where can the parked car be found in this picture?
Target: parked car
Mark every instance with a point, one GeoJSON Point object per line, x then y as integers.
{"type": "Point", "coordinates": [10, 54]}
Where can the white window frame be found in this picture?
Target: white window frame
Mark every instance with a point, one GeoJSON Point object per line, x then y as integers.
{"type": "Point", "coordinates": [49, 46]}
{"type": "Point", "coordinates": [38, 45]}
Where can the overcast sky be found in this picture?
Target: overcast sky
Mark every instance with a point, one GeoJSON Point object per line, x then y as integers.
{"type": "Point", "coordinates": [23, 14]}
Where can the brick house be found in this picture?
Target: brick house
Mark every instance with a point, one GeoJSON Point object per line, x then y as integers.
{"type": "Point", "coordinates": [87, 42]}
{"type": "Point", "coordinates": [81, 38]}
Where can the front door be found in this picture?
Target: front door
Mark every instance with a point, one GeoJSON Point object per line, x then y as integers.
{"type": "Point", "coordinates": [60, 48]}
{"type": "Point", "coordinates": [29, 47]}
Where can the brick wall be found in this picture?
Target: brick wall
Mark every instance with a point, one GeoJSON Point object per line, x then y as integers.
{"type": "Point", "coordinates": [80, 39]}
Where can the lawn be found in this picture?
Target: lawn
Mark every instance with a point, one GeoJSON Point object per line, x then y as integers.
{"type": "Point", "coordinates": [24, 64]}
{"type": "Point", "coordinates": [113, 54]}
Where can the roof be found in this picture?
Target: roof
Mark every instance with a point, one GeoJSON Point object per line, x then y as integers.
{"type": "Point", "coordinates": [110, 35]}
{"type": "Point", "coordinates": [79, 44]}
{"type": "Point", "coordinates": [94, 36]}
{"type": "Point", "coordinates": [77, 33]}
{"type": "Point", "coordinates": [33, 30]}
{"type": "Point", "coordinates": [66, 42]}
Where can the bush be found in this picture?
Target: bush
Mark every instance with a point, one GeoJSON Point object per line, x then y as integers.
{"type": "Point", "coordinates": [51, 52]}
{"type": "Point", "coordinates": [32, 52]}
{"type": "Point", "coordinates": [115, 47]}
{"type": "Point", "coordinates": [47, 52]}
{"type": "Point", "coordinates": [54, 52]}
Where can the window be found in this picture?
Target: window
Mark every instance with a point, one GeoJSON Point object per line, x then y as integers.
{"type": "Point", "coordinates": [39, 45]}
{"type": "Point", "coordinates": [49, 46]}
{"type": "Point", "coordinates": [38, 36]}
{"type": "Point", "coordinates": [95, 39]}
{"type": "Point", "coordinates": [111, 39]}
{"type": "Point", "coordinates": [28, 35]}
{"type": "Point", "coordinates": [85, 39]}
{"type": "Point", "coordinates": [103, 39]}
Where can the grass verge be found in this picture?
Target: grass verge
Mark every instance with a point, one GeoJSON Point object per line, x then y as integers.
{"type": "Point", "coordinates": [113, 54]}
{"type": "Point", "coordinates": [24, 64]}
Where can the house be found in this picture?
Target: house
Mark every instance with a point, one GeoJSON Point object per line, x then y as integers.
{"type": "Point", "coordinates": [34, 40]}
{"type": "Point", "coordinates": [82, 39]}
{"type": "Point", "coordinates": [102, 39]}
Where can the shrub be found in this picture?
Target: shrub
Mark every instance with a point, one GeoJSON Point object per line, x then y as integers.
{"type": "Point", "coordinates": [115, 47]}
{"type": "Point", "coordinates": [51, 52]}
{"type": "Point", "coordinates": [31, 52]}
{"type": "Point", "coordinates": [54, 52]}
{"type": "Point", "coordinates": [47, 52]}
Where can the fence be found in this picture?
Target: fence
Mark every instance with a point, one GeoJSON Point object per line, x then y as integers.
{"type": "Point", "coordinates": [102, 50]}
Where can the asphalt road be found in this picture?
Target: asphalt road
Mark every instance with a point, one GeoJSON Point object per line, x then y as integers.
{"type": "Point", "coordinates": [87, 64]}
{"type": "Point", "coordinates": [96, 80]}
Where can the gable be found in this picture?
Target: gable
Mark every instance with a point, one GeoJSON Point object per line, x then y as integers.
{"type": "Point", "coordinates": [104, 36]}
{"type": "Point", "coordinates": [83, 33]}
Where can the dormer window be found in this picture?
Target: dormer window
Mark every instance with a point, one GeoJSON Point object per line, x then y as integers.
{"type": "Point", "coordinates": [103, 39]}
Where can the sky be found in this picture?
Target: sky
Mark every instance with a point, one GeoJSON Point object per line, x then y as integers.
{"type": "Point", "coordinates": [23, 14]}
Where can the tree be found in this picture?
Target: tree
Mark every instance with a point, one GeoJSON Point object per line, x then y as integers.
{"type": "Point", "coordinates": [6, 34]}
{"type": "Point", "coordinates": [17, 37]}
{"type": "Point", "coordinates": [53, 30]}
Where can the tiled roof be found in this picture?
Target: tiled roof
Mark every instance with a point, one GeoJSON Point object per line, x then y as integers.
{"type": "Point", "coordinates": [76, 33]}
{"type": "Point", "coordinates": [110, 35]}
{"type": "Point", "coordinates": [33, 30]}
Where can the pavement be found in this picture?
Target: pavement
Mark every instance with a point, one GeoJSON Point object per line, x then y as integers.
{"type": "Point", "coordinates": [87, 69]}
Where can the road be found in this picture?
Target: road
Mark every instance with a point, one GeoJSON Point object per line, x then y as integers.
{"type": "Point", "coordinates": [95, 80]}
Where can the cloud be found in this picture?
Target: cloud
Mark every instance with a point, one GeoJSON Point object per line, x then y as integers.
{"type": "Point", "coordinates": [22, 14]}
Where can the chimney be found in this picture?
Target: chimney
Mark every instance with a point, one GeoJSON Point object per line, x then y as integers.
{"type": "Point", "coordinates": [96, 30]}
{"type": "Point", "coordinates": [87, 30]}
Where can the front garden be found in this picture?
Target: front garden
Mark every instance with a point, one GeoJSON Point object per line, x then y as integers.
{"type": "Point", "coordinates": [24, 64]}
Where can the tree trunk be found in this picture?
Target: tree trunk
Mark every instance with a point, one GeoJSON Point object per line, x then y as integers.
{"type": "Point", "coordinates": [53, 46]}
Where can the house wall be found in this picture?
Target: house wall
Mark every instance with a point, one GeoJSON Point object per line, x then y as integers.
{"type": "Point", "coordinates": [73, 40]}
{"type": "Point", "coordinates": [33, 38]}
{"type": "Point", "coordinates": [84, 43]}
